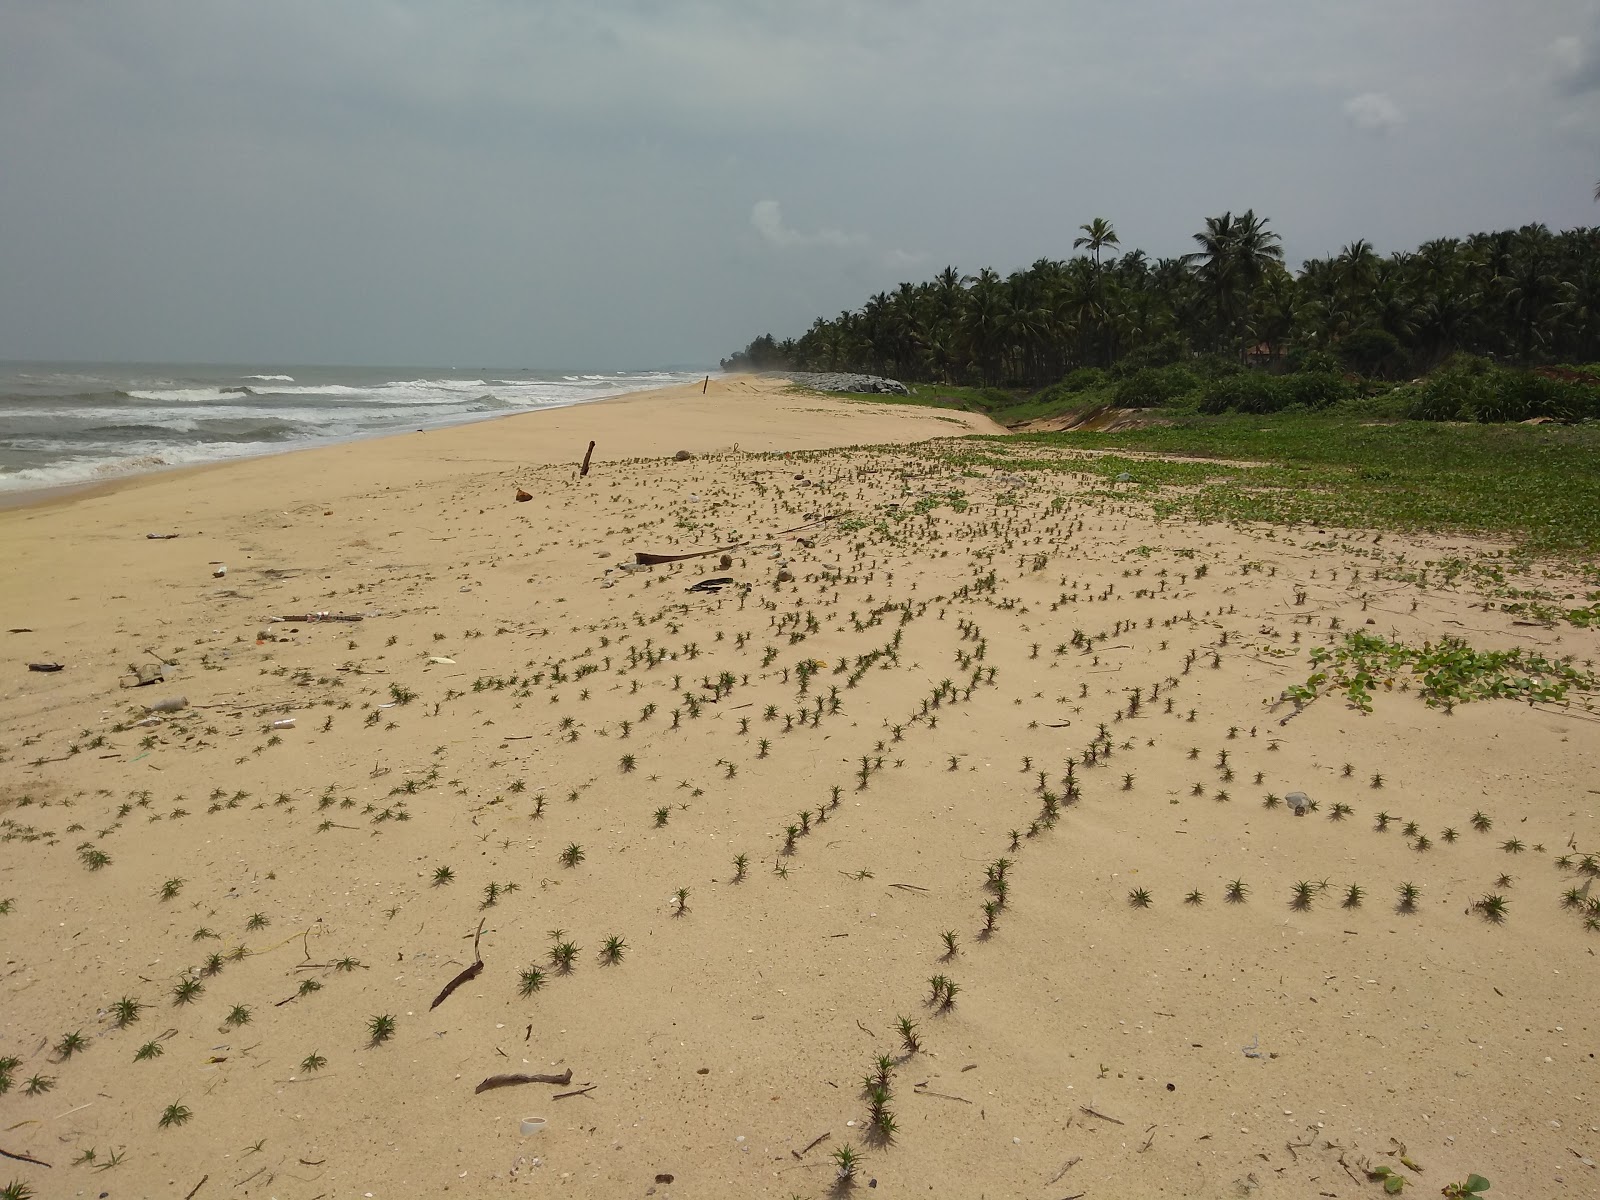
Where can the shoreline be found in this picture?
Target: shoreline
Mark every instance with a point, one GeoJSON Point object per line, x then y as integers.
{"type": "Point", "coordinates": [526, 423]}
{"type": "Point", "coordinates": [26, 496]}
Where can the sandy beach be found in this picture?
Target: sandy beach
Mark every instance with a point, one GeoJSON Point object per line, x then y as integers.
{"type": "Point", "coordinates": [933, 682]}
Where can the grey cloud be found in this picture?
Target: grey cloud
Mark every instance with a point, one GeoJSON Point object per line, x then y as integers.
{"type": "Point", "coordinates": [1577, 63]}
{"type": "Point", "coordinates": [626, 182]}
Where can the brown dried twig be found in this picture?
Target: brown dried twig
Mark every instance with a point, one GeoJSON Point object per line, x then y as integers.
{"type": "Point", "coordinates": [500, 1081]}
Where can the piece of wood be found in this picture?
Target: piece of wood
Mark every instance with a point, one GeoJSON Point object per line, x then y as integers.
{"type": "Point", "coordinates": [583, 471]}
{"type": "Point", "coordinates": [470, 973]}
{"type": "Point", "coordinates": [922, 1089]}
{"type": "Point", "coordinates": [1087, 1111]}
{"type": "Point", "coordinates": [1065, 1167]}
{"type": "Point", "coordinates": [27, 1158]}
{"type": "Point", "coordinates": [500, 1081]}
{"type": "Point", "coordinates": [813, 1144]}
{"type": "Point", "coordinates": [583, 1091]}
{"type": "Point", "coordinates": [197, 1187]}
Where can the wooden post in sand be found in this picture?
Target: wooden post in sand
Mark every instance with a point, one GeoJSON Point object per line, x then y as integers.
{"type": "Point", "coordinates": [584, 470]}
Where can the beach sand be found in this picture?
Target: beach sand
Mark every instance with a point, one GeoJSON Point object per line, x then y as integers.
{"type": "Point", "coordinates": [512, 693]}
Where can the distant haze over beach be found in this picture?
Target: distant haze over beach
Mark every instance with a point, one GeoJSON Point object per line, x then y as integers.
{"type": "Point", "coordinates": [617, 182]}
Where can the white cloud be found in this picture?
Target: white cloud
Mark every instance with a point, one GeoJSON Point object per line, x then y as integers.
{"type": "Point", "coordinates": [1373, 111]}
{"type": "Point", "coordinates": [767, 217]}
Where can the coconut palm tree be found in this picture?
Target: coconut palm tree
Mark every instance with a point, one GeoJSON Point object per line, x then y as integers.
{"type": "Point", "coordinates": [1097, 235]}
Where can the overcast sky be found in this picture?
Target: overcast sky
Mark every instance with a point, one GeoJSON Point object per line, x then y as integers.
{"type": "Point", "coordinates": [623, 183]}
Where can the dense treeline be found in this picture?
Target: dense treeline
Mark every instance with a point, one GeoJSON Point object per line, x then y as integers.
{"type": "Point", "coordinates": [1526, 296]}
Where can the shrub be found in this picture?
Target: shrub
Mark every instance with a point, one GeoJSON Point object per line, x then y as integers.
{"type": "Point", "coordinates": [1311, 362]}
{"type": "Point", "coordinates": [1370, 351]}
{"type": "Point", "coordinates": [1172, 348]}
{"type": "Point", "coordinates": [1314, 389]}
{"type": "Point", "coordinates": [1249, 393]}
{"type": "Point", "coordinates": [1474, 389]}
{"type": "Point", "coordinates": [1154, 387]}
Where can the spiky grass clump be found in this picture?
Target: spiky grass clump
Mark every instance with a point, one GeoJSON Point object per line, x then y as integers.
{"type": "Point", "coordinates": [611, 950]}
{"type": "Point", "coordinates": [187, 990]}
{"type": "Point", "coordinates": [126, 1011]}
{"type": "Point", "coordinates": [741, 864]}
{"type": "Point", "coordinates": [170, 889]}
{"type": "Point", "coordinates": [1493, 907]}
{"type": "Point", "coordinates": [92, 858]}
{"type": "Point", "coordinates": [313, 1062]}
{"type": "Point", "coordinates": [1139, 897]}
{"type": "Point", "coordinates": [71, 1044]}
{"type": "Point", "coordinates": [846, 1163]}
{"type": "Point", "coordinates": [563, 955]}
{"type": "Point", "coordinates": [443, 876]}
{"type": "Point", "coordinates": [174, 1114]}
{"type": "Point", "coordinates": [1409, 894]}
{"type": "Point", "coordinates": [907, 1028]}
{"type": "Point", "coordinates": [380, 1028]}
{"type": "Point", "coordinates": [1236, 891]}
{"type": "Point", "coordinates": [572, 855]}
{"type": "Point", "coordinates": [532, 979]}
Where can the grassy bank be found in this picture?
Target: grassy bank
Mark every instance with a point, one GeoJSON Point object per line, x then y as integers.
{"type": "Point", "coordinates": [1536, 485]}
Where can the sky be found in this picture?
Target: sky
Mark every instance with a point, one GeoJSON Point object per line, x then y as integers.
{"type": "Point", "coordinates": [634, 183]}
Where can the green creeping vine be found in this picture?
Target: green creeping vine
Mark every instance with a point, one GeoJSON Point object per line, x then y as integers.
{"type": "Point", "coordinates": [1451, 672]}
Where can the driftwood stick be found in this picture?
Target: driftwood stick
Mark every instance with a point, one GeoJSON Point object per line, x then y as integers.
{"type": "Point", "coordinates": [923, 1089]}
{"type": "Point", "coordinates": [812, 1144]}
{"type": "Point", "coordinates": [500, 1081]}
{"type": "Point", "coordinates": [27, 1158]}
{"type": "Point", "coordinates": [197, 1187]}
{"type": "Point", "coordinates": [583, 472]}
{"type": "Point", "coordinates": [583, 1091]}
{"type": "Point", "coordinates": [471, 972]}
{"type": "Point", "coordinates": [1085, 1109]}
{"type": "Point", "coordinates": [1065, 1167]}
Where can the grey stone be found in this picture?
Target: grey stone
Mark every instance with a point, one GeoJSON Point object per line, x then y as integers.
{"type": "Point", "coordinates": [838, 381]}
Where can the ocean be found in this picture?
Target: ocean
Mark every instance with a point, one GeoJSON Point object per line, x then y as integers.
{"type": "Point", "coordinates": [65, 423]}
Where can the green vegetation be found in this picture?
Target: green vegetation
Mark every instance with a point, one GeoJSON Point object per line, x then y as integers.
{"type": "Point", "coordinates": [1532, 483]}
{"type": "Point", "coordinates": [1525, 295]}
{"type": "Point", "coordinates": [1448, 673]}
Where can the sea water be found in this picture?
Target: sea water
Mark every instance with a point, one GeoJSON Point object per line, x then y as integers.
{"type": "Point", "coordinates": [65, 423]}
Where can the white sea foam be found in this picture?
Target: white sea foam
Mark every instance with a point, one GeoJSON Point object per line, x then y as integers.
{"type": "Point", "coordinates": [70, 425]}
